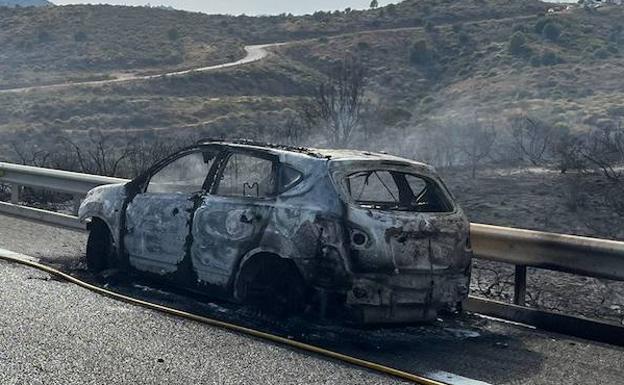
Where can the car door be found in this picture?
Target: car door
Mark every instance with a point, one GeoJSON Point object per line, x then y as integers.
{"type": "Point", "coordinates": [231, 220]}
{"type": "Point", "coordinates": [158, 218]}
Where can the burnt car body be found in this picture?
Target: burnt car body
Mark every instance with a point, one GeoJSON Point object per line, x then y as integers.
{"type": "Point", "coordinates": [377, 236]}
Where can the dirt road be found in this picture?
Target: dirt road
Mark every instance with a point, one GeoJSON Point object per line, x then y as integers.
{"type": "Point", "coordinates": [254, 53]}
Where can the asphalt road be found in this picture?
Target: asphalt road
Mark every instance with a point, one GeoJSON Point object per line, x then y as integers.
{"type": "Point", "coordinates": [55, 333]}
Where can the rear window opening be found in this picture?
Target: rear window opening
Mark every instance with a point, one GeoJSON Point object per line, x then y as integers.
{"type": "Point", "coordinates": [395, 190]}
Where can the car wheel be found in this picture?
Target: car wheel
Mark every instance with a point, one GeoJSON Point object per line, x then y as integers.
{"type": "Point", "coordinates": [100, 248]}
{"type": "Point", "coordinates": [274, 286]}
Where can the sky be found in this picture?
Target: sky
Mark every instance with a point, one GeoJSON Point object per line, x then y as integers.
{"type": "Point", "coordinates": [248, 7]}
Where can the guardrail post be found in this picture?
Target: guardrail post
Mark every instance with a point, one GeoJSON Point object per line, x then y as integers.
{"type": "Point", "coordinates": [77, 199]}
{"type": "Point", "coordinates": [520, 285]}
{"type": "Point", "coordinates": [15, 193]}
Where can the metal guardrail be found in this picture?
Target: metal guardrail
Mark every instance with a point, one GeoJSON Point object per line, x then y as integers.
{"type": "Point", "coordinates": [590, 257]}
{"type": "Point", "coordinates": [76, 184]}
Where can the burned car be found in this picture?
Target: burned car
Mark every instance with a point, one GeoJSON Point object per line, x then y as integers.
{"type": "Point", "coordinates": [372, 237]}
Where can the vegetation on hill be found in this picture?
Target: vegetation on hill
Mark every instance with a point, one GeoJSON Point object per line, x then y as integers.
{"type": "Point", "coordinates": [46, 45]}
{"type": "Point", "coordinates": [428, 62]}
{"type": "Point", "coordinates": [25, 3]}
{"type": "Point", "coordinates": [436, 72]}
{"type": "Point", "coordinates": [491, 67]}
{"type": "Point", "coordinates": [54, 44]}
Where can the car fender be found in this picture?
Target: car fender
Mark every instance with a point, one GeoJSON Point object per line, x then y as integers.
{"type": "Point", "coordinates": [106, 204]}
{"type": "Point", "coordinates": [248, 257]}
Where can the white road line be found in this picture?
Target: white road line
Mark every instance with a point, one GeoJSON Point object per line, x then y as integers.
{"type": "Point", "coordinates": [12, 254]}
{"type": "Point", "coordinates": [453, 379]}
{"type": "Point", "coordinates": [514, 323]}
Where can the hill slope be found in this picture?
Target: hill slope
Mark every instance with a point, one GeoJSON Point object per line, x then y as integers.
{"type": "Point", "coordinates": [43, 45]}
{"type": "Point", "coordinates": [567, 68]}
{"type": "Point", "coordinates": [24, 3]}
{"type": "Point", "coordinates": [571, 76]}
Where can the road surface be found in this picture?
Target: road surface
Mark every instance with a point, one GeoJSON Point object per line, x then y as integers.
{"type": "Point", "coordinates": [471, 349]}
{"type": "Point", "coordinates": [56, 333]}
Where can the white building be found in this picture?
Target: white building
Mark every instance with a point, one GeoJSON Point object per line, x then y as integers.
{"type": "Point", "coordinates": [598, 3]}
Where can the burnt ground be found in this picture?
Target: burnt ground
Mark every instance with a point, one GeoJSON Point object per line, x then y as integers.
{"type": "Point", "coordinates": [543, 200]}
{"type": "Point", "coordinates": [538, 199]}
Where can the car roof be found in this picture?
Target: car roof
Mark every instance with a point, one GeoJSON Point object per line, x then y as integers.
{"type": "Point", "coordinates": [317, 153]}
{"type": "Point", "coordinates": [262, 146]}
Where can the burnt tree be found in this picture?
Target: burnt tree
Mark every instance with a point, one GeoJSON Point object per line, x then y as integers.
{"type": "Point", "coordinates": [100, 155]}
{"type": "Point", "coordinates": [532, 139]}
{"type": "Point", "coordinates": [337, 104]}
{"type": "Point", "coordinates": [605, 149]}
{"type": "Point", "coordinates": [476, 144]}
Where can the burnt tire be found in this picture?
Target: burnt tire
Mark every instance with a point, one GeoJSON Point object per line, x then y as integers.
{"type": "Point", "coordinates": [100, 248]}
{"type": "Point", "coordinates": [274, 286]}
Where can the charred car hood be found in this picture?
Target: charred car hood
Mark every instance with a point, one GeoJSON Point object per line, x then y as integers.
{"type": "Point", "coordinates": [101, 198]}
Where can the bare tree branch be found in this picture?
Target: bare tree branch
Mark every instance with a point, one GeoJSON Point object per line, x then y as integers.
{"type": "Point", "coordinates": [337, 105]}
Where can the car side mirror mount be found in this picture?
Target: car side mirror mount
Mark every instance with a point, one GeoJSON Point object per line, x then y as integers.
{"type": "Point", "coordinates": [137, 185]}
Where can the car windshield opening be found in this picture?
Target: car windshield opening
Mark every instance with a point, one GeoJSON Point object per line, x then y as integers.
{"type": "Point", "coordinates": [396, 190]}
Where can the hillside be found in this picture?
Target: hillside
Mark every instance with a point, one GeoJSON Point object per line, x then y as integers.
{"type": "Point", "coordinates": [572, 77]}
{"type": "Point", "coordinates": [24, 3]}
{"type": "Point", "coordinates": [569, 75]}
{"type": "Point", "coordinates": [53, 44]}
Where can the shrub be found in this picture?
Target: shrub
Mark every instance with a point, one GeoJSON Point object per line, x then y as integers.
{"type": "Point", "coordinates": [519, 27]}
{"type": "Point", "coordinates": [319, 16]}
{"type": "Point", "coordinates": [427, 100]}
{"type": "Point", "coordinates": [536, 61]}
{"type": "Point", "coordinates": [362, 46]}
{"type": "Point", "coordinates": [43, 36]}
{"type": "Point", "coordinates": [429, 26]}
{"type": "Point", "coordinates": [394, 115]}
{"type": "Point", "coordinates": [420, 53]}
{"type": "Point", "coordinates": [550, 58]}
{"type": "Point", "coordinates": [517, 44]}
{"type": "Point", "coordinates": [173, 34]}
{"type": "Point", "coordinates": [464, 38]}
{"type": "Point", "coordinates": [614, 37]}
{"type": "Point", "coordinates": [540, 24]}
{"type": "Point", "coordinates": [551, 31]}
{"type": "Point", "coordinates": [80, 36]}
{"type": "Point", "coordinates": [601, 53]}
